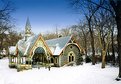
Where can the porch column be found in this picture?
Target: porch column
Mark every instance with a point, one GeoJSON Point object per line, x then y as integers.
{"type": "Point", "coordinates": [18, 63]}
{"type": "Point", "coordinates": [22, 60]}
{"type": "Point", "coordinates": [10, 59]}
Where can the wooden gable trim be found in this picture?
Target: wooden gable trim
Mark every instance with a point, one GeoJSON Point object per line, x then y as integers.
{"type": "Point", "coordinates": [46, 45]}
{"type": "Point", "coordinates": [40, 37]}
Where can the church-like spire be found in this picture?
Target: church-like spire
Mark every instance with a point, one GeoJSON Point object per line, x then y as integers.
{"type": "Point", "coordinates": [28, 27]}
{"type": "Point", "coordinates": [28, 32]}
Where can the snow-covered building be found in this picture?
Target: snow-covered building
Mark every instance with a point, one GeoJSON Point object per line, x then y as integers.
{"type": "Point", "coordinates": [33, 50]}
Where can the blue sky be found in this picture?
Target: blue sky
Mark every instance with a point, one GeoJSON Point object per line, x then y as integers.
{"type": "Point", "coordinates": [44, 15]}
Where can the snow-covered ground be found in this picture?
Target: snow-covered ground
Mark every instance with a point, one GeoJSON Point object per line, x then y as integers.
{"type": "Point", "coordinates": [83, 74]}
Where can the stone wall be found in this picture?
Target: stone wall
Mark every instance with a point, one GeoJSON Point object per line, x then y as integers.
{"type": "Point", "coordinates": [71, 48]}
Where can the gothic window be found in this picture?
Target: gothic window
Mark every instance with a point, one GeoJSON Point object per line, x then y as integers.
{"type": "Point", "coordinates": [71, 58]}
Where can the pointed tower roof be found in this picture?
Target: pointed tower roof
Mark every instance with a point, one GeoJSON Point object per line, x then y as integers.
{"type": "Point", "coordinates": [28, 27]}
{"type": "Point", "coordinates": [28, 31]}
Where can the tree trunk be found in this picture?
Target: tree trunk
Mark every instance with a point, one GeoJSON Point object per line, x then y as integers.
{"type": "Point", "coordinates": [117, 8]}
{"type": "Point", "coordinates": [92, 42]}
{"type": "Point", "coordinates": [113, 53]}
{"type": "Point", "coordinates": [103, 58]}
{"type": "Point", "coordinates": [85, 44]}
{"type": "Point", "coordinates": [85, 47]}
{"type": "Point", "coordinates": [118, 21]}
{"type": "Point", "coordinates": [93, 50]}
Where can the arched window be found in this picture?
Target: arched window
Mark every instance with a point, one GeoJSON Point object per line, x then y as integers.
{"type": "Point", "coordinates": [69, 58]}
{"type": "Point", "coordinates": [72, 58]}
{"type": "Point", "coordinates": [52, 61]}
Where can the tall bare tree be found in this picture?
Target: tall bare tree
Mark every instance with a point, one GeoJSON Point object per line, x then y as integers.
{"type": "Point", "coordinates": [105, 23]}
{"type": "Point", "coordinates": [6, 9]}
{"type": "Point", "coordinates": [104, 45]}
{"type": "Point", "coordinates": [116, 5]}
{"type": "Point", "coordinates": [88, 9]}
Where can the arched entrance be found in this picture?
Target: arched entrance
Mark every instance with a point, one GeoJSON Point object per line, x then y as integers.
{"type": "Point", "coordinates": [39, 57]}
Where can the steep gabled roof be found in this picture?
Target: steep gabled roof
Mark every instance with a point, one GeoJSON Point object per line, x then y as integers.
{"type": "Point", "coordinates": [25, 45]}
{"type": "Point", "coordinates": [57, 45]}
{"type": "Point", "coordinates": [40, 37]}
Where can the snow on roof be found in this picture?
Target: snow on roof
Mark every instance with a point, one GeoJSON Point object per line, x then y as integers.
{"type": "Point", "coordinates": [57, 50]}
{"type": "Point", "coordinates": [57, 45]}
{"type": "Point", "coordinates": [24, 46]}
{"type": "Point", "coordinates": [28, 45]}
{"type": "Point", "coordinates": [12, 50]}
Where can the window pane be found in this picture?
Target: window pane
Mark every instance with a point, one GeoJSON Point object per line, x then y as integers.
{"type": "Point", "coordinates": [69, 58]}
{"type": "Point", "coordinates": [72, 58]}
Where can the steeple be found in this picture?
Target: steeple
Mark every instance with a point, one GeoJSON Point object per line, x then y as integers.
{"type": "Point", "coordinates": [28, 32]}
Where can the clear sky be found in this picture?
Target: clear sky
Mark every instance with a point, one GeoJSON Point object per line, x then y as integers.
{"type": "Point", "coordinates": [44, 15]}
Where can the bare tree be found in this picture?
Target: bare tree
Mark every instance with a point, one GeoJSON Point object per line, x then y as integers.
{"type": "Point", "coordinates": [104, 45]}
{"type": "Point", "coordinates": [104, 22]}
{"type": "Point", "coordinates": [6, 10]}
{"type": "Point", "coordinates": [49, 35]}
{"type": "Point", "coordinates": [5, 20]}
{"type": "Point", "coordinates": [116, 5]}
{"type": "Point", "coordinates": [113, 6]}
{"type": "Point", "coordinates": [85, 35]}
{"type": "Point", "coordinates": [65, 31]}
{"type": "Point", "coordinates": [112, 42]}
{"type": "Point", "coordinates": [3, 30]}
{"type": "Point", "coordinates": [88, 10]}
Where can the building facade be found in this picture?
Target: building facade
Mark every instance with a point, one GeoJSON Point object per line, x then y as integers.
{"type": "Point", "coordinates": [33, 51]}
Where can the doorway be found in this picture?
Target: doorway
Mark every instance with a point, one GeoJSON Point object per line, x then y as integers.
{"type": "Point", "coordinates": [39, 57]}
